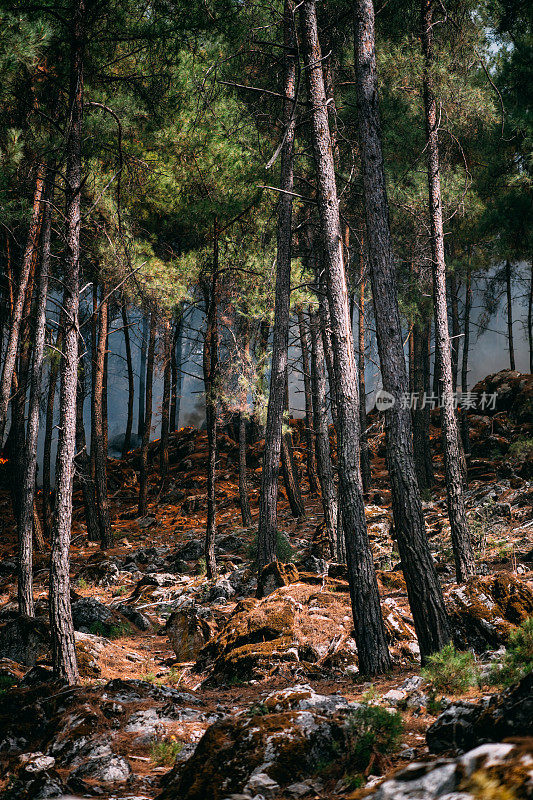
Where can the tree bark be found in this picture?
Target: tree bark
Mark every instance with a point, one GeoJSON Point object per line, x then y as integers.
{"type": "Point", "coordinates": [175, 372]}
{"type": "Point", "coordinates": [97, 427]}
{"type": "Point", "coordinates": [267, 528]}
{"type": "Point", "coordinates": [509, 296]}
{"type": "Point", "coordinates": [83, 464]}
{"type": "Point", "coordinates": [210, 369]}
{"type": "Point", "coordinates": [142, 376]}
{"type": "Point", "coordinates": [465, 429]}
{"type": "Point", "coordinates": [244, 501]}
{"type": "Point", "coordinates": [26, 516]}
{"type": "Point", "coordinates": [165, 408]}
{"type": "Point", "coordinates": [260, 384]}
{"type": "Point", "coordinates": [17, 315]}
{"type": "Point", "coordinates": [48, 431]}
{"type": "Point", "coordinates": [370, 636]}
{"type": "Point", "coordinates": [453, 457]}
{"type": "Point", "coordinates": [312, 475]}
{"type": "Point", "coordinates": [147, 417]}
{"type": "Point", "coordinates": [421, 418]}
{"type": "Point", "coordinates": [456, 331]}
{"type": "Point", "coordinates": [530, 319]}
{"type": "Point", "coordinates": [62, 629]}
{"type": "Point", "coordinates": [423, 588]}
{"type": "Point", "coordinates": [366, 474]}
{"type": "Point", "coordinates": [131, 381]}
{"type": "Point", "coordinates": [320, 417]}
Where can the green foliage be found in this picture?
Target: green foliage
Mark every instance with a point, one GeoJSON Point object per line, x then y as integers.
{"type": "Point", "coordinates": [373, 732]}
{"type": "Point", "coordinates": [257, 710]}
{"type": "Point", "coordinates": [284, 549]}
{"type": "Point", "coordinates": [110, 631]}
{"type": "Point", "coordinates": [451, 670]}
{"type": "Point", "coordinates": [6, 682]}
{"type": "Point", "coordinates": [521, 447]}
{"type": "Point", "coordinates": [163, 753]}
{"type": "Point", "coordinates": [518, 659]}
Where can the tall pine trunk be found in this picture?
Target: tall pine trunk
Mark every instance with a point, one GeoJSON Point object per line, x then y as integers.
{"type": "Point", "coordinates": [465, 429]}
{"type": "Point", "coordinates": [26, 516]}
{"type": "Point", "coordinates": [131, 381]}
{"type": "Point", "coordinates": [370, 636]}
{"type": "Point", "coordinates": [83, 464]}
{"type": "Point", "coordinates": [423, 587]}
{"type": "Point", "coordinates": [453, 456]}
{"type": "Point", "coordinates": [147, 418]}
{"type": "Point", "coordinates": [210, 370]}
{"type": "Point", "coordinates": [62, 629]}
{"type": "Point", "coordinates": [366, 474]}
{"type": "Point", "coordinates": [48, 431]}
{"type": "Point", "coordinates": [456, 331]}
{"type": "Point", "coordinates": [244, 500]}
{"type": "Point", "coordinates": [509, 298]}
{"type": "Point", "coordinates": [17, 315]}
{"type": "Point", "coordinates": [165, 407]}
{"type": "Point", "coordinates": [323, 451]}
{"type": "Point", "coordinates": [142, 376]}
{"type": "Point", "coordinates": [312, 476]}
{"type": "Point", "coordinates": [97, 427]}
{"type": "Point", "coordinates": [267, 528]}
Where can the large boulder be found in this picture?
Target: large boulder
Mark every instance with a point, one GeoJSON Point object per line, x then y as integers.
{"type": "Point", "coordinates": [513, 394]}
{"type": "Point", "coordinates": [490, 771]}
{"type": "Point", "coordinates": [465, 725]}
{"type": "Point", "coordinates": [92, 616]}
{"type": "Point", "coordinates": [485, 610]}
{"type": "Point", "coordinates": [189, 629]}
{"type": "Point", "coordinates": [275, 575]}
{"type": "Point", "coordinates": [259, 754]}
{"type": "Point", "coordinates": [25, 640]}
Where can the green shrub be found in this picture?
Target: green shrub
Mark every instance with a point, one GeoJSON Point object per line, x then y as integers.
{"type": "Point", "coordinates": [373, 732]}
{"type": "Point", "coordinates": [518, 659]}
{"type": "Point", "coordinates": [284, 549]}
{"type": "Point", "coordinates": [6, 683]}
{"type": "Point", "coordinates": [110, 631]}
{"type": "Point", "coordinates": [451, 670]}
{"type": "Point", "coordinates": [164, 752]}
{"type": "Point", "coordinates": [521, 447]}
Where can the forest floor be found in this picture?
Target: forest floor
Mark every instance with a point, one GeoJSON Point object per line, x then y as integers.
{"type": "Point", "coordinates": [166, 654]}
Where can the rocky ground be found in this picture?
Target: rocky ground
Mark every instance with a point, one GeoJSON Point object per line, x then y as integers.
{"type": "Point", "coordinates": [196, 689]}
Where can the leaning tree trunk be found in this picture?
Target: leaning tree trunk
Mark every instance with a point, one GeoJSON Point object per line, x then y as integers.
{"type": "Point", "coordinates": [131, 381]}
{"type": "Point", "coordinates": [370, 636]}
{"type": "Point", "coordinates": [423, 587]}
{"type": "Point", "coordinates": [267, 528]}
{"type": "Point", "coordinates": [62, 629]}
{"type": "Point", "coordinates": [16, 320]}
{"type": "Point", "coordinates": [509, 296]}
{"type": "Point", "coordinates": [26, 515]}
{"type": "Point", "coordinates": [97, 428]}
{"type": "Point", "coordinates": [147, 418]}
{"type": "Point", "coordinates": [320, 417]}
{"type": "Point", "coordinates": [465, 429]}
{"type": "Point", "coordinates": [312, 476]}
{"type": "Point", "coordinates": [453, 456]}
{"type": "Point", "coordinates": [165, 407]}
{"type": "Point", "coordinates": [210, 370]}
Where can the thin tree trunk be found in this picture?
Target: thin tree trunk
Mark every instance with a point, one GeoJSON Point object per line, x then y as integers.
{"type": "Point", "coordinates": [366, 474]}
{"type": "Point", "coordinates": [312, 476]}
{"type": "Point", "coordinates": [142, 376]}
{"type": "Point", "coordinates": [423, 588]}
{"type": "Point", "coordinates": [48, 431]}
{"type": "Point", "coordinates": [465, 429]}
{"type": "Point", "coordinates": [530, 319]}
{"type": "Point", "coordinates": [289, 468]}
{"type": "Point", "coordinates": [244, 501]}
{"type": "Point", "coordinates": [147, 417]}
{"type": "Point", "coordinates": [210, 369]}
{"type": "Point", "coordinates": [509, 314]}
{"type": "Point", "coordinates": [421, 419]}
{"type": "Point", "coordinates": [267, 528]}
{"type": "Point", "coordinates": [131, 381]}
{"type": "Point", "coordinates": [453, 459]}
{"type": "Point", "coordinates": [97, 428]}
{"type": "Point", "coordinates": [16, 320]}
{"type": "Point", "coordinates": [176, 339]}
{"type": "Point", "coordinates": [62, 629]}
{"type": "Point", "coordinates": [456, 331]}
{"type": "Point", "coordinates": [370, 636]}
{"type": "Point", "coordinates": [83, 464]}
{"type": "Point", "coordinates": [105, 419]}
{"type": "Point", "coordinates": [165, 408]}
{"type": "Point", "coordinates": [260, 385]}
{"type": "Point", "coordinates": [320, 417]}
{"type": "Point", "coordinates": [26, 516]}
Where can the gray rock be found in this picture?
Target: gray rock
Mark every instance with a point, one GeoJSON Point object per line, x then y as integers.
{"type": "Point", "coordinates": [89, 614]}
{"type": "Point", "coordinates": [140, 621]}
{"type": "Point", "coordinates": [107, 769]}
{"type": "Point", "coordinates": [37, 762]}
{"type": "Point", "coordinates": [146, 522]}
{"type": "Point", "coordinates": [25, 640]}
{"type": "Point", "coordinates": [261, 783]}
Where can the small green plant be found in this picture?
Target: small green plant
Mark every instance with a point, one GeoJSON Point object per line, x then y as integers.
{"type": "Point", "coordinates": [434, 706]}
{"type": "Point", "coordinates": [370, 696]}
{"type": "Point", "coordinates": [451, 670]}
{"type": "Point", "coordinates": [81, 583]}
{"type": "Point", "coordinates": [110, 631]}
{"type": "Point", "coordinates": [373, 733]}
{"type": "Point", "coordinates": [518, 659]}
{"type": "Point", "coordinates": [257, 710]}
{"type": "Point", "coordinates": [284, 549]}
{"type": "Point", "coordinates": [521, 447]}
{"type": "Point", "coordinates": [6, 683]}
{"type": "Point", "coordinates": [163, 753]}
{"type": "Point", "coordinates": [201, 566]}
{"type": "Point", "coordinates": [120, 591]}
